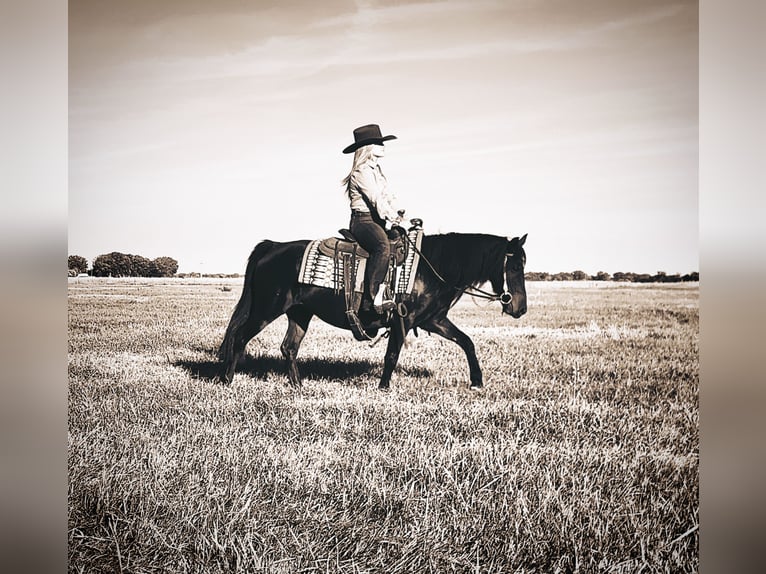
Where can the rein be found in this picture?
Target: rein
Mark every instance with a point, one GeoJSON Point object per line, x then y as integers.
{"type": "Point", "coordinates": [504, 297]}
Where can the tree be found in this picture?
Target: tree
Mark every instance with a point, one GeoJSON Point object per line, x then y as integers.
{"type": "Point", "coordinates": [620, 276]}
{"type": "Point", "coordinates": [663, 277]}
{"type": "Point", "coordinates": [536, 276]}
{"type": "Point", "coordinates": [77, 264]}
{"type": "Point", "coordinates": [114, 264]}
{"type": "Point", "coordinates": [580, 275]}
{"type": "Point", "coordinates": [164, 267]}
{"type": "Point", "coordinates": [602, 276]}
{"type": "Point", "coordinates": [103, 266]}
{"type": "Point", "coordinates": [140, 266]}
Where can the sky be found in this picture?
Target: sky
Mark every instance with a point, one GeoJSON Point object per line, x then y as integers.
{"type": "Point", "coordinates": [197, 129]}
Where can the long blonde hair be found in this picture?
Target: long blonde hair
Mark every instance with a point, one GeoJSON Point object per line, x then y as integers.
{"type": "Point", "coordinates": [361, 156]}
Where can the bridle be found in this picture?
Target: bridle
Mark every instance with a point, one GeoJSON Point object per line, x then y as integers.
{"type": "Point", "coordinates": [505, 297]}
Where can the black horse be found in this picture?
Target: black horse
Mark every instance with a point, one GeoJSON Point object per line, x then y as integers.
{"type": "Point", "coordinates": [450, 265]}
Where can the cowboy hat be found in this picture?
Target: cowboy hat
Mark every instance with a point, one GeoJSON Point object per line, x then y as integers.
{"type": "Point", "coordinates": [366, 135]}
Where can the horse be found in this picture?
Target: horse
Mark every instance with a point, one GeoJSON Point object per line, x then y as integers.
{"type": "Point", "coordinates": [451, 265]}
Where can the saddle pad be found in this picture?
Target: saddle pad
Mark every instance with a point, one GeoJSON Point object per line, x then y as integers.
{"type": "Point", "coordinates": [321, 270]}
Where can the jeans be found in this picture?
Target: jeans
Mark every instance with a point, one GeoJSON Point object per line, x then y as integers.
{"type": "Point", "coordinates": [372, 237]}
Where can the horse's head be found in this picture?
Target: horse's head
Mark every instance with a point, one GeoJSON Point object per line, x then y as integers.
{"type": "Point", "coordinates": [514, 297]}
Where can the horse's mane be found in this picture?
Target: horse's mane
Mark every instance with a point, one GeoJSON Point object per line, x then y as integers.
{"type": "Point", "coordinates": [464, 259]}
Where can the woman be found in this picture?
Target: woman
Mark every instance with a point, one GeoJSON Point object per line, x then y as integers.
{"type": "Point", "coordinates": [373, 211]}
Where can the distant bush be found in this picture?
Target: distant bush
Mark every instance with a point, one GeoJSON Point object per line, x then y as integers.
{"type": "Point", "coordinates": [563, 276]}
{"type": "Point", "coordinates": [537, 276]}
{"type": "Point", "coordinates": [76, 265]}
{"type": "Point", "coordinates": [164, 267]}
{"type": "Point", "coordinates": [116, 264]}
{"type": "Point", "coordinates": [619, 276]}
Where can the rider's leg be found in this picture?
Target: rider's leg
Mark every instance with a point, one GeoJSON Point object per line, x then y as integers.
{"type": "Point", "coordinates": [374, 240]}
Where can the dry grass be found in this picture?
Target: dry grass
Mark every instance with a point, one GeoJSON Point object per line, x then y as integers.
{"type": "Point", "coordinates": [581, 453]}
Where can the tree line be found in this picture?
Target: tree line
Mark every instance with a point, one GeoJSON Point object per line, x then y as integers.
{"type": "Point", "coordinates": [659, 277]}
{"type": "Point", "coordinates": [116, 264]}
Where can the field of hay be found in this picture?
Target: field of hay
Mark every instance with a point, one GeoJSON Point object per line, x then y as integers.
{"type": "Point", "coordinates": [581, 453]}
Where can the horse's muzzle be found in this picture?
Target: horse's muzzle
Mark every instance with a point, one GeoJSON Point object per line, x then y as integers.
{"type": "Point", "coordinates": [515, 311]}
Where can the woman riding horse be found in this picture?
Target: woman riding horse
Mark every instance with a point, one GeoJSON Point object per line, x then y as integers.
{"type": "Point", "coordinates": [451, 264]}
{"type": "Point", "coordinates": [373, 212]}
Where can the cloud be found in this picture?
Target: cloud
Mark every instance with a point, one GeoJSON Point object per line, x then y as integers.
{"type": "Point", "coordinates": [267, 44]}
{"type": "Point", "coordinates": [374, 36]}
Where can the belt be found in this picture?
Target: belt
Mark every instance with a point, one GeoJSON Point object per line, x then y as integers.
{"type": "Point", "coordinates": [358, 212]}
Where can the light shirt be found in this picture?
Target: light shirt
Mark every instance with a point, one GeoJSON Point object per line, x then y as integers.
{"type": "Point", "coordinates": [368, 181]}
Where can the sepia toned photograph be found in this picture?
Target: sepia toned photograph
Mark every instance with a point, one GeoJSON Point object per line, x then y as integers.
{"type": "Point", "coordinates": [383, 286]}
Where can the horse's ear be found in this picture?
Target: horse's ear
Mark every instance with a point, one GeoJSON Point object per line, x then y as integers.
{"type": "Point", "coordinates": [521, 240]}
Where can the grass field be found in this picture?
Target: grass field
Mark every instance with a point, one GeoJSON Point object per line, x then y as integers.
{"type": "Point", "coordinates": [579, 455]}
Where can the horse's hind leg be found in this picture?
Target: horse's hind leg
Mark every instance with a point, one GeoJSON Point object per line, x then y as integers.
{"type": "Point", "coordinates": [240, 338]}
{"type": "Point", "coordinates": [298, 323]}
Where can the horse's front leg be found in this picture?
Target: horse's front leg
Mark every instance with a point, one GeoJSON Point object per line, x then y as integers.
{"type": "Point", "coordinates": [395, 342]}
{"type": "Point", "coordinates": [447, 329]}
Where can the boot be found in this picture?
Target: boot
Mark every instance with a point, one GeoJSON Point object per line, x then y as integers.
{"type": "Point", "coordinates": [380, 303]}
{"type": "Point", "coordinates": [366, 312]}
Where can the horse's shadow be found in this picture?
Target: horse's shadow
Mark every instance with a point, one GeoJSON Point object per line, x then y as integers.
{"type": "Point", "coordinates": [263, 367]}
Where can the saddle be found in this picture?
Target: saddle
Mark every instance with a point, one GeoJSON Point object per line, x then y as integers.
{"type": "Point", "coordinates": [334, 246]}
{"type": "Point", "coordinates": [339, 263]}
{"type": "Point", "coordinates": [345, 252]}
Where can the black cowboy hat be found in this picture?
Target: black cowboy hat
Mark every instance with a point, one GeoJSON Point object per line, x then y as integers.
{"type": "Point", "coordinates": [367, 135]}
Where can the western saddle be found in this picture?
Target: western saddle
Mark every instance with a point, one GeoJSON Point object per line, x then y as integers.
{"type": "Point", "coordinates": [346, 250]}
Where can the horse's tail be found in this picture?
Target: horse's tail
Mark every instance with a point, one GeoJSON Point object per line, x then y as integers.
{"type": "Point", "coordinates": [242, 310]}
